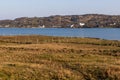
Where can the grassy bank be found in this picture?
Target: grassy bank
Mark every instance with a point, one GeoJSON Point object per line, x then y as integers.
{"type": "Point", "coordinates": [58, 58]}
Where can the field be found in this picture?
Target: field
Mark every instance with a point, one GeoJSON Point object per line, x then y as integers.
{"type": "Point", "coordinates": [58, 58]}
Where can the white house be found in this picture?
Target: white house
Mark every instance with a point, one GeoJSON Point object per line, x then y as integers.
{"type": "Point", "coordinates": [82, 24]}
{"type": "Point", "coordinates": [43, 26]}
{"type": "Point", "coordinates": [72, 26]}
{"type": "Point", "coordinates": [113, 24]}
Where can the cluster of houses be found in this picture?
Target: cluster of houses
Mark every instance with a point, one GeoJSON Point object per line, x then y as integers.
{"type": "Point", "coordinates": [69, 26]}
{"type": "Point", "coordinates": [43, 26]}
{"type": "Point", "coordinates": [80, 24]}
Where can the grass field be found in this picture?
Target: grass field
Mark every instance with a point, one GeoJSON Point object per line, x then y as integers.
{"type": "Point", "coordinates": [58, 58]}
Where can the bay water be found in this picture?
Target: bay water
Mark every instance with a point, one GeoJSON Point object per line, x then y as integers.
{"type": "Point", "coordinates": [102, 33]}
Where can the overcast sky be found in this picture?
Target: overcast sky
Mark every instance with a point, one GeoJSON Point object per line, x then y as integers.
{"type": "Point", "coordinates": [10, 9]}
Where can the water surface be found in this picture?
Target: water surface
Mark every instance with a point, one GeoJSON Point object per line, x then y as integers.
{"type": "Point", "coordinates": [103, 33]}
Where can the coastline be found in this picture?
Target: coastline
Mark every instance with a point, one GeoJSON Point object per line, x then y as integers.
{"type": "Point", "coordinates": [66, 21]}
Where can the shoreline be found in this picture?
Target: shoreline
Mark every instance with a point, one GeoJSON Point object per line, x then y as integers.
{"type": "Point", "coordinates": [65, 21]}
{"type": "Point", "coordinates": [26, 35]}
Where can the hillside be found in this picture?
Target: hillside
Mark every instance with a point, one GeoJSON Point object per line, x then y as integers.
{"type": "Point", "coordinates": [74, 21]}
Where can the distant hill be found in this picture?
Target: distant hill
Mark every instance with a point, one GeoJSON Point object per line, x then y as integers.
{"type": "Point", "coordinates": [67, 21]}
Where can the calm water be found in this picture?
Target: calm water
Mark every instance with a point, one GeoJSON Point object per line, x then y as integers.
{"type": "Point", "coordinates": [103, 33]}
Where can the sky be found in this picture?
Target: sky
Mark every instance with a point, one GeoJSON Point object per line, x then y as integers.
{"type": "Point", "coordinates": [11, 9]}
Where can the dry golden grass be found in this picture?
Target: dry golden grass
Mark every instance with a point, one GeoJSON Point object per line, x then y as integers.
{"type": "Point", "coordinates": [58, 58]}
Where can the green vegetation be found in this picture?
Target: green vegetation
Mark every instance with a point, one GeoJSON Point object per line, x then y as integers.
{"type": "Point", "coordinates": [58, 58]}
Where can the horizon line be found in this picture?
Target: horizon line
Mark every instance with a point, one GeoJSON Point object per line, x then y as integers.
{"type": "Point", "coordinates": [62, 15]}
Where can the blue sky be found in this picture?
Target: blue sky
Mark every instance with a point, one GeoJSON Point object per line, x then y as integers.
{"type": "Point", "coordinates": [10, 9]}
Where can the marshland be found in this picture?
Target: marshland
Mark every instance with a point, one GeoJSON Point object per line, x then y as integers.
{"type": "Point", "coordinates": [38, 57]}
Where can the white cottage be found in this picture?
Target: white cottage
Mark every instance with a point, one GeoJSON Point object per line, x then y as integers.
{"type": "Point", "coordinates": [82, 24]}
